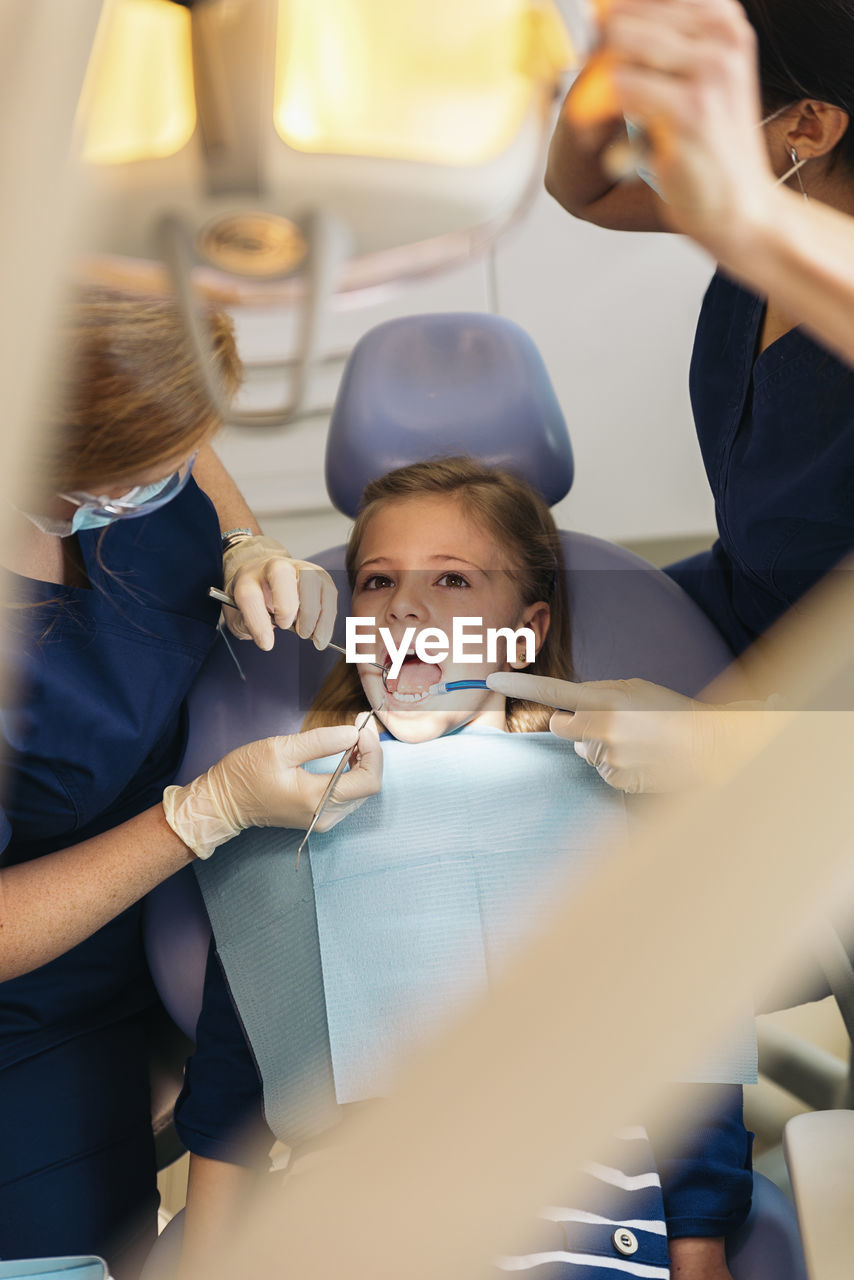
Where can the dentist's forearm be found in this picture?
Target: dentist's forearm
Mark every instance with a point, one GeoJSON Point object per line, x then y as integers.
{"type": "Point", "coordinates": [577, 177]}
{"type": "Point", "coordinates": [50, 904]}
{"type": "Point", "coordinates": [231, 506]}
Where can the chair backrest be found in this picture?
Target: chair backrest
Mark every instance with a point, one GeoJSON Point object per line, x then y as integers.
{"type": "Point", "coordinates": [416, 388]}
{"type": "Point", "coordinates": [420, 387]}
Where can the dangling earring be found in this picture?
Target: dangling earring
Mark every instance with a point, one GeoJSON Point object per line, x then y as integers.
{"type": "Point", "coordinates": [797, 165]}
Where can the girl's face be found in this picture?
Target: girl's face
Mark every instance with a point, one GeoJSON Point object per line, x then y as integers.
{"type": "Point", "coordinates": [422, 563]}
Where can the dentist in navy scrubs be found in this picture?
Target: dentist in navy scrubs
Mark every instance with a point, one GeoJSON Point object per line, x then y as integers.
{"type": "Point", "coordinates": [127, 520]}
{"type": "Point", "coordinates": [747, 109]}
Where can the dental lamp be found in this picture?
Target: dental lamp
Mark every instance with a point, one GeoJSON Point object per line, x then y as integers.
{"type": "Point", "coordinates": [285, 151]}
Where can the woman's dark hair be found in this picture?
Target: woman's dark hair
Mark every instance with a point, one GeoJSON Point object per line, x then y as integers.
{"type": "Point", "coordinates": [806, 50]}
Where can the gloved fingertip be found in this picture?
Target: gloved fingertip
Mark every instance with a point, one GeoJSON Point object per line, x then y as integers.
{"type": "Point", "coordinates": [559, 723]}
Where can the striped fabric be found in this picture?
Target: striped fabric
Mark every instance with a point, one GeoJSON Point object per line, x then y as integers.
{"type": "Point", "coordinates": [622, 1202]}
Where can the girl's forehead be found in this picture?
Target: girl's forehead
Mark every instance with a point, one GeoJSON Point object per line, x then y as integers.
{"type": "Point", "coordinates": [413, 529]}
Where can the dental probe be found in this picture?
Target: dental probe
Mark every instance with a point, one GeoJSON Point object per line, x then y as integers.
{"type": "Point", "coordinates": [224, 598]}
{"type": "Point", "coordinates": [330, 786]}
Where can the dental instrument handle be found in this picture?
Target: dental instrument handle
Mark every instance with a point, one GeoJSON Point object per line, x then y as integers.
{"type": "Point", "coordinates": [224, 598]}
{"type": "Point", "coordinates": [451, 686]}
{"type": "Point", "coordinates": [333, 778]}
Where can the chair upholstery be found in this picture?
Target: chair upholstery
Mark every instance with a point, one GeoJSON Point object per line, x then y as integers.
{"type": "Point", "coordinates": [768, 1245]}
{"type": "Point", "coordinates": [416, 388]}
{"type": "Point", "coordinates": [628, 619]}
{"type": "Point", "coordinates": [433, 385]}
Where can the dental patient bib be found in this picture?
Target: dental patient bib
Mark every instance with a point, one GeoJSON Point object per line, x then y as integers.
{"type": "Point", "coordinates": [438, 879]}
{"type": "Point", "coordinates": [403, 913]}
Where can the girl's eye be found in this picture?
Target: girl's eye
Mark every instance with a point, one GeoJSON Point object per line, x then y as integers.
{"type": "Point", "coordinates": [376, 582]}
{"type": "Point", "coordinates": [453, 580]}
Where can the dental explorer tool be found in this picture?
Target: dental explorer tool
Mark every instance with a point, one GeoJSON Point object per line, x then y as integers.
{"type": "Point", "coordinates": [224, 598]}
{"type": "Point", "coordinates": [234, 658]}
{"type": "Point", "coordinates": [330, 786]}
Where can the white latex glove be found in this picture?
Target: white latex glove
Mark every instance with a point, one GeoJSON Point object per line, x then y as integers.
{"type": "Point", "coordinates": [641, 737]}
{"type": "Point", "coordinates": [262, 785]}
{"type": "Point", "coordinates": [687, 73]}
{"type": "Point", "coordinates": [266, 582]}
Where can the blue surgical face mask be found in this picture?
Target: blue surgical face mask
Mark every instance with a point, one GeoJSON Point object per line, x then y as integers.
{"type": "Point", "coordinates": [95, 513]}
{"type": "Point", "coordinates": [87, 517]}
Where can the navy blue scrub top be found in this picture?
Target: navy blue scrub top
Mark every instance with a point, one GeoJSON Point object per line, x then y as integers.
{"type": "Point", "coordinates": [94, 729]}
{"type": "Point", "coordinates": [777, 436]}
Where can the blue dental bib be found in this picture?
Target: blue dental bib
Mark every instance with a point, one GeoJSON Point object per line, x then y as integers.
{"type": "Point", "coordinates": [403, 913]}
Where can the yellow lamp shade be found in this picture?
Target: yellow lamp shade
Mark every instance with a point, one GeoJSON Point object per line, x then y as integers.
{"type": "Point", "coordinates": [138, 101]}
{"type": "Point", "coordinates": [435, 81]}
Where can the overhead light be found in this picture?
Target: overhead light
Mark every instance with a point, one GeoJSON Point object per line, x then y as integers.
{"type": "Point", "coordinates": [436, 82]}
{"type": "Point", "coordinates": [139, 97]}
{"type": "Point", "coordinates": [289, 150]}
{"type": "Point", "coordinates": [261, 245]}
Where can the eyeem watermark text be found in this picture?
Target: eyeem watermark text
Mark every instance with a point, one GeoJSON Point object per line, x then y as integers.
{"type": "Point", "coordinates": [468, 643]}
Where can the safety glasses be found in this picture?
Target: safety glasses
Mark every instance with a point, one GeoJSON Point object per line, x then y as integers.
{"type": "Point", "coordinates": [138, 501]}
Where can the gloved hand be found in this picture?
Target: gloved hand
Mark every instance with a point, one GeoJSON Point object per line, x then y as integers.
{"type": "Point", "coordinates": [265, 580]}
{"type": "Point", "coordinates": [641, 737]}
{"type": "Point", "coordinates": [262, 785]}
{"type": "Point", "coordinates": [688, 75]}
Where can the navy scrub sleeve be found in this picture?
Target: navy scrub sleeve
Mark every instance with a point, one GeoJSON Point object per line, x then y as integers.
{"type": "Point", "coordinates": [94, 729]}
{"type": "Point", "coordinates": [777, 438]}
{"type": "Point", "coordinates": [220, 1111]}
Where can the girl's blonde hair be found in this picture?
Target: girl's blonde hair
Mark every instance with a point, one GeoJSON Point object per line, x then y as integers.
{"type": "Point", "coordinates": [129, 395]}
{"type": "Point", "coordinates": [507, 508]}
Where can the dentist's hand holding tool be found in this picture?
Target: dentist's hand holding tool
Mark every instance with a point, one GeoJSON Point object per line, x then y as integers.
{"type": "Point", "coordinates": [642, 737]}
{"type": "Point", "coordinates": [269, 586]}
{"type": "Point", "coordinates": [686, 71]}
{"type": "Point", "coordinates": [263, 784]}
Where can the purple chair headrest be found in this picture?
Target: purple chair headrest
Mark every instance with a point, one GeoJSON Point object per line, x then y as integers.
{"type": "Point", "coordinates": [437, 385]}
{"type": "Point", "coordinates": [416, 388]}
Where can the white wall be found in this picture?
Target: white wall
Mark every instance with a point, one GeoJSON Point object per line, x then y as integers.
{"type": "Point", "coordinates": [613, 315]}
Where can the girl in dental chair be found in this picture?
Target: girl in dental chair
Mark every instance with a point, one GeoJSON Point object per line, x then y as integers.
{"type": "Point", "coordinates": [383, 934]}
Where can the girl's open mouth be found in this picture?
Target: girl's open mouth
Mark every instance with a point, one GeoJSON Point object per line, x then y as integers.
{"type": "Point", "coordinates": [415, 680]}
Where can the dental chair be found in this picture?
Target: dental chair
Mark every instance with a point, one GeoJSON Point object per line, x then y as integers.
{"type": "Point", "coordinates": [416, 388]}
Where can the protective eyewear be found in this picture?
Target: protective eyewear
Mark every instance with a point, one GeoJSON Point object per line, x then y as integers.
{"type": "Point", "coordinates": [141, 500]}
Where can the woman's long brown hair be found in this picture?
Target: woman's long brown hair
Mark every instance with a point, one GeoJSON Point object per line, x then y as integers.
{"type": "Point", "coordinates": [129, 395]}
{"type": "Point", "coordinates": [508, 509]}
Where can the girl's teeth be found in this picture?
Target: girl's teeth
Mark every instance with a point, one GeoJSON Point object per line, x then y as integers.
{"type": "Point", "coordinates": [410, 697]}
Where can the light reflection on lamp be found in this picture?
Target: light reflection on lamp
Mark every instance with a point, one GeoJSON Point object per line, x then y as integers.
{"type": "Point", "coordinates": [272, 151]}
{"type": "Point", "coordinates": [433, 81]}
{"type": "Point", "coordinates": [139, 97]}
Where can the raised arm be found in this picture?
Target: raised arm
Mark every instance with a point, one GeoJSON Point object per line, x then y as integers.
{"type": "Point", "coordinates": [689, 75]}
{"type": "Point", "coordinates": [576, 171]}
